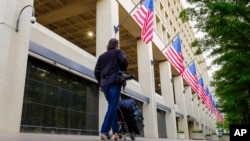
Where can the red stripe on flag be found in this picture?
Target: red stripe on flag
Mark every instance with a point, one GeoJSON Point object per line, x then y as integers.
{"type": "Point", "coordinates": [147, 30]}
{"type": "Point", "coordinates": [175, 59]}
{"type": "Point", "coordinates": [140, 15]}
{"type": "Point", "coordinates": [191, 80]}
{"type": "Point", "coordinates": [145, 18]}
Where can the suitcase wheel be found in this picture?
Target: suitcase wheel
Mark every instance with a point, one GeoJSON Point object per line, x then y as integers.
{"type": "Point", "coordinates": [132, 136]}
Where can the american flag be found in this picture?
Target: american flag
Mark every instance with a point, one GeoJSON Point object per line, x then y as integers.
{"type": "Point", "coordinates": [144, 16]}
{"type": "Point", "coordinates": [213, 105]}
{"type": "Point", "coordinates": [211, 102]}
{"type": "Point", "coordinates": [190, 76]}
{"type": "Point", "coordinates": [174, 55]}
{"type": "Point", "coordinates": [216, 113]}
{"type": "Point", "coordinates": [207, 100]}
{"type": "Point", "coordinates": [219, 117]}
{"type": "Point", "coordinates": [201, 89]}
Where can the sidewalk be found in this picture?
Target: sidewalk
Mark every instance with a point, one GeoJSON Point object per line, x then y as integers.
{"type": "Point", "coordinates": [57, 137]}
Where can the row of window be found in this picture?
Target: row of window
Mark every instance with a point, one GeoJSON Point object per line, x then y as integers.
{"type": "Point", "coordinates": [56, 101]}
{"type": "Point", "coordinates": [51, 106]}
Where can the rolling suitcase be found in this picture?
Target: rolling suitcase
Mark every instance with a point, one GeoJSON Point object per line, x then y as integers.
{"type": "Point", "coordinates": [130, 118]}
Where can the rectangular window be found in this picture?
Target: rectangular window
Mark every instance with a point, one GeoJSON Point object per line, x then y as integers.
{"type": "Point", "coordinates": [56, 101]}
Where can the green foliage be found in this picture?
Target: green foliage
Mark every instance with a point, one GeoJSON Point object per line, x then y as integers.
{"type": "Point", "coordinates": [196, 44]}
{"type": "Point", "coordinates": [219, 125]}
{"type": "Point", "coordinates": [197, 131]}
{"type": "Point", "coordinates": [184, 16]}
{"type": "Point", "coordinates": [226, 24]}
{"type": "Point", "coordinates": [180, 131]}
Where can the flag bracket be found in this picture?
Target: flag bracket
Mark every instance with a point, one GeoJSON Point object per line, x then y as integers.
{"type": "Point", "coordinates": [194, 97]}
{"type": "Point", "coordinates": [172, 40]}
{"type": "Point", "coordinates": [116, 28]}
{"type": "Point", "coordinates": [152, 62]}
{"type": "Point", "coordinates": [184, 91]}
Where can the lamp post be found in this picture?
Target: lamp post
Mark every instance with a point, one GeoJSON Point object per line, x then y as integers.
{"type": "Point", "coordinates": [32, 18]}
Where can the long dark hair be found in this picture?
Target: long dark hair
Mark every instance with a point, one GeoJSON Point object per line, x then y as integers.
{"type": "Point", "coordinates": [113, 43]}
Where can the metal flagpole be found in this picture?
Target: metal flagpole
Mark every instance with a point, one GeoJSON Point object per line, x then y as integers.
{"type": "Point", "coordinates": [171, 41]}
{"type": "Point", "coordinates": [194, 97]}
{"type": "Point", "coordinates": [199, 76]}
{"type": "Point", "coordinates": [116, 28]}
{"type": "Point", "coordinates": [189, 63]}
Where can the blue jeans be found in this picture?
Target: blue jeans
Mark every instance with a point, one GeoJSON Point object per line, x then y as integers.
{"type": "Point", "coordinates": [112, 94]}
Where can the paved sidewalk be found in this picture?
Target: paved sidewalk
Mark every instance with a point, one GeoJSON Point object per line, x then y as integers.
{"type": "Point", "coordinates": [57, 137]}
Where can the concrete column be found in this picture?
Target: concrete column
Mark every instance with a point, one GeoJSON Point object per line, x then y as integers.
{"type": "Point", "coordinates": [180, 102]}
{"type": "Point", "coordinates": [199, 117]}
{"type": "Point", "coordinates": [203, 117]}
{"type": "Point", "coordinates": [178, 84]}
{"type": "Point", "coordinates": [167, 94]}
{"type": "Point", "coordinates": [188, 99]}
{"type": "Point", "coordinates": [13, 62]}
{"type": "Point", "coordinates": [106, 18]}
{"type": "Point", "coordinates": [208, 119]}
{"type": "Point", "coordinates": [195, 105]}
{"type": "Point", "coordinates": [189, 107]}
{"type": "Point", "coordinates": [146, 79]}
{"type": "Point", "coordinates": [166, 84]}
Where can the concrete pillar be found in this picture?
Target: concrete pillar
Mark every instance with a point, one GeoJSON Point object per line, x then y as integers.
{"type": "Point", "coordinates": [178, 84]}
{"type": "Point", "coordinates": [195, 111]}
{"type": "Point", "coordinates": [13, 62]}
{"type": "Point", "coordinates": [106, 18]}
{"type": "Point", "coordinates": [189, 107]}
{"type": "Point", "coordinates": [167, 94]}
{"type": "Point", "coordinates": [180, 102]}
{"type": "Point", "coordinates": [195, 106]}
{"type": "Point", "coordinates": [200, 114]}
{"type": "Point", "coordinates": [188, 99]}
{"type": "Point", "coordinates": [166, 84]}
{"type": "Point", "coordinates": [146, 79]}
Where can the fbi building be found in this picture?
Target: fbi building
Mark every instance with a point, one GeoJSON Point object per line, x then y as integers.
{"type": "Point", "coordinates": [48, 51]}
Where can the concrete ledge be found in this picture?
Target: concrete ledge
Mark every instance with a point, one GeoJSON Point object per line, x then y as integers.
{"type": "Point", "coordinates": [57, 137]}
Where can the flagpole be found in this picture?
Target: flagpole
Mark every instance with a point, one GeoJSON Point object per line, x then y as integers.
{"type": "Point", "coordinates": [171, 41]}
{"type": "Point", "coordinates": [199, 103]}
{"type": "Point", "coordinates": [194, 97]}
{"type": "Point", "coordinates": [116, 28]}
{"type": "Point", "coordinates": [189, 63]}
{"type": "Point", "coordinates": [199, 76]}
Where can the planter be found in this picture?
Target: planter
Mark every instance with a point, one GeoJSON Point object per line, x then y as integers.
{"type": "Point", "coordinates": [208, 137]}
{"type": "Point", "coordinates": [215, 138]}
{"type": "Point", "coordinates": [198, 136]}
{"type": "Point", "coordinates": [225, 138]}
{"type": "Point", "coordinates": [180, 135]}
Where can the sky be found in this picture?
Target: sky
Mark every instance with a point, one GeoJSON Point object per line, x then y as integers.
{"type": "Point", "coordinates": [205, 54]}
{"type": "Point", "coordinates": [185, 3]}
{"type": "Point", "coordinates": [208, 60]}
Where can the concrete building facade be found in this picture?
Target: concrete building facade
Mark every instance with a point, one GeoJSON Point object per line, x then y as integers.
{"type": "Point", "coordinates": [46, 68]}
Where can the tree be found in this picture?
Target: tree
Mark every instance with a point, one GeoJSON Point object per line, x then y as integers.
{"type": "Point", "coordinates": [226, 24]}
